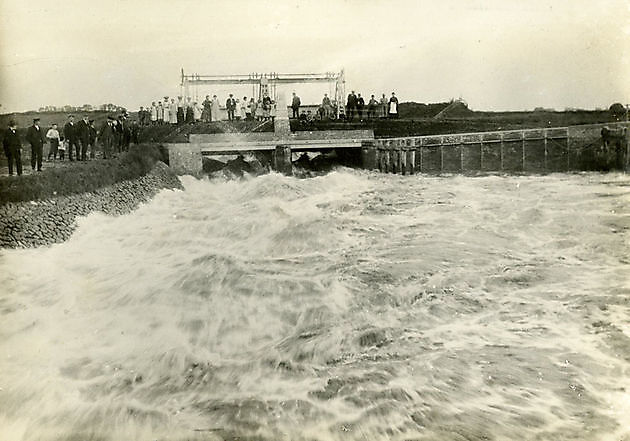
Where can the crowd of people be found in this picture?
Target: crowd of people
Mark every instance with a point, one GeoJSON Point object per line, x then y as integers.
{"type": "Point", "coordinates": [375, 108]}
{"type": "Point", "coordinates": [187, 111]}
{"type": "Point", "coordinates": [80, 140]}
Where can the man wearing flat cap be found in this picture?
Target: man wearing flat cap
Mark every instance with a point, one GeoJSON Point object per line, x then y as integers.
{"type": "Point", "coordinates": [35, 136]}
{"type": "Point", "coordinates": [13, 148]}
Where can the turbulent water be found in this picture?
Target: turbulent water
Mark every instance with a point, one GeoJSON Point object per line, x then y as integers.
{"type": "Point", "coordinates": [352, 306]}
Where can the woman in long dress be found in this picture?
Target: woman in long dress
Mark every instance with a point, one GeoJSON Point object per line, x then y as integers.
{"type": "Point", "coordinates": [259, 110]}
{"type": "Point", "coordinates": [173, 112]}
{"type": "Point", "coordinates": [393, 106]}
{"type": "Point", "coordinates": [190, 115]}
{"type": "Point", "coordinates": [215, 108]}
{"type": "Point", "coordinates": [180, 110]}
{"type": "Point", "coordinates": [237, 109]}
{"type": "Point", "coordinates": [197, 111]}
{"type": "Point", "coordinates": [251, 109]}
{"type": "Point", "coordinates": [167, 111]}
{"type": "Point", "coordinates": [244, 108]}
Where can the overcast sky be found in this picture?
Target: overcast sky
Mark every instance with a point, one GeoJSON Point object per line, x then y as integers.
{"type": "Point", "coordinates": [497, 55]}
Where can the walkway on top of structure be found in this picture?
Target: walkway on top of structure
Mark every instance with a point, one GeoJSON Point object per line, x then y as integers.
{"type": "Point", "coordinates": [237, 143]}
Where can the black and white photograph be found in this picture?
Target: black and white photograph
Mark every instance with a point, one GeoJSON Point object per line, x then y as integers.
{"type": "Point", "coordinates": [315, 220]}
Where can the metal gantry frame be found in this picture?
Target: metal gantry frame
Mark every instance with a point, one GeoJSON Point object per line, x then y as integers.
{"type": "Point", "coordinates": [266, 83]}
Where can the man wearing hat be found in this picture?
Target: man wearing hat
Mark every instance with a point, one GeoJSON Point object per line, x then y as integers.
{"type": "Point", "coordinates": [92, 139]}
{"type": "Point", "coordinates": [70, 133]}
{"type": "Point", "coordinates": [13, 148]}
{"type": "Point", "coordinates": [105, 136]}
{"type": "Point", "coordinates": [35, 136]}
{"type": "Point", "coordinates": [83, 133]}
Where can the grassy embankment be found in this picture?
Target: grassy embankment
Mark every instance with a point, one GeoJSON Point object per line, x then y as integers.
{"type": "Point", "coordinates": [80, 177]}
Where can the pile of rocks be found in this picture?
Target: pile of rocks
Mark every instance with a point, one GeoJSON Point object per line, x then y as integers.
{"type": "Point", "coordinates": [37, 223]}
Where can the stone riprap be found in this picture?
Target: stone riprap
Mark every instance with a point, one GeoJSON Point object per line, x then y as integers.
{"type": "Point", "coordinates": [39, 223]}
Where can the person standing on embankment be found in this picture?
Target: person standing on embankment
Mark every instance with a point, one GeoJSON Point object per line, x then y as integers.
{"type": "Point", "coordinates": [53, 139]}
{"type": "Point", "coordinates": [105, 137]}
{"type": "Point", "coordinates": [70, 134]}
{"type": "Point", "coordinates": [83, 133]}
{"type": "Point", "coordinates": [393, 106]}
{"type": "Point", "coordinates": [35, 137]}
{"type": "Point", "coordinates": [92, 139]}
{"type": "Point", "coordinates": [384, 105]}
{"type": "Point", "coordinates": [351, 106]}
{"type": "Point", "coordinates": [295, 106]}
{"type": "Point", "coordinates": [13, 148]}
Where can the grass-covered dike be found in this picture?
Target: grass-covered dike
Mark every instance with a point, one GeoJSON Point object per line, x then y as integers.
{"type": "Point", "coordinates": [81, 177]}
{"type": "Point", "coordinates": [42, 208]}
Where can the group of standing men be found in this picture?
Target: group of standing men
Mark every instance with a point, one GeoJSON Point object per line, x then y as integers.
{"type": "Point", "coordinates": [375, 108]}
{"type": "Point", "coordinates": [79, 139]}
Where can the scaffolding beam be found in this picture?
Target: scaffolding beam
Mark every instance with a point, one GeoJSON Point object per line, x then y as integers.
{"type": "Point", "coordinates": [268, 79]}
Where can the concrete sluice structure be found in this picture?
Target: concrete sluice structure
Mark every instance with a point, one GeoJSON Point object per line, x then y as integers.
{"type": "Point", "coordinates": [559, 149]}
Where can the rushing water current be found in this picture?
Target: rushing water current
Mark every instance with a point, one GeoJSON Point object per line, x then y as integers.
{"type": "Point", "coordinates": [352, 306]}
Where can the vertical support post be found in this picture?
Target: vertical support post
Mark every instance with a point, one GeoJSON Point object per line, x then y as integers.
{"type": "Point", "coordinates": [545, 142]}
{"type": "Point", "coordinates": [441, 154]}
{"type": "Point", "coordinates": [185, 158]}
{"type": "Point", "coordinates": [523, 149]}
{"type": "Point", "coordinates": [368, 155]}
{"type": "Point", "coordinates": [461, 155]}
{"type": "Point", "coordinates": [568, 151]}
{"type": "Point", "coordinates": [501, 151]}
{"type": "Point", "coordinates": [282, 160]}
{"type": "Point", "coordinates": [481, 153]}
{"type": "Point", "coordinates": [421, 144]}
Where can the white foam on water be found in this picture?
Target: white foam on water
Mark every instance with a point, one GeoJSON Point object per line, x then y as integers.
{"type": "Point", "coordinates": [353, 305]}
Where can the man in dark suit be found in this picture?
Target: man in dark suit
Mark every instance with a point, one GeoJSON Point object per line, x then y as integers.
{"type": "Point", "coordinates": [351, 105]}
{"type": "Point", "coordinates": [230, 105]}
{"type": "Point", "coordinates": [106, 136]}
{"type": "Point", "coordinates": [83, 134]}
{"type": "Point", "coordinates": [35, 136]}
{"type": "Point", "coordinates": [13, 148]}
{"type": "Point", "coordinates": [92, 139]}
{"type": "Point", "coordinates": [295, 105]}
{"type": "Point", "coordinates": [360, 104]}
{"type": "Point", "coordinates": [70, 133]}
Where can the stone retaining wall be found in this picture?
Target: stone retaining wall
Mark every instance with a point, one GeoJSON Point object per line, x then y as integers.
{"type": "Point", "coordinates": [37, 223]}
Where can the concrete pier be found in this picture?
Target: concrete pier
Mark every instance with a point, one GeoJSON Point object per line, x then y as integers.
{"type": "Point", "coordinates": [281, 160]}
{"type": "Point", "coordinates": [185, 158]}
